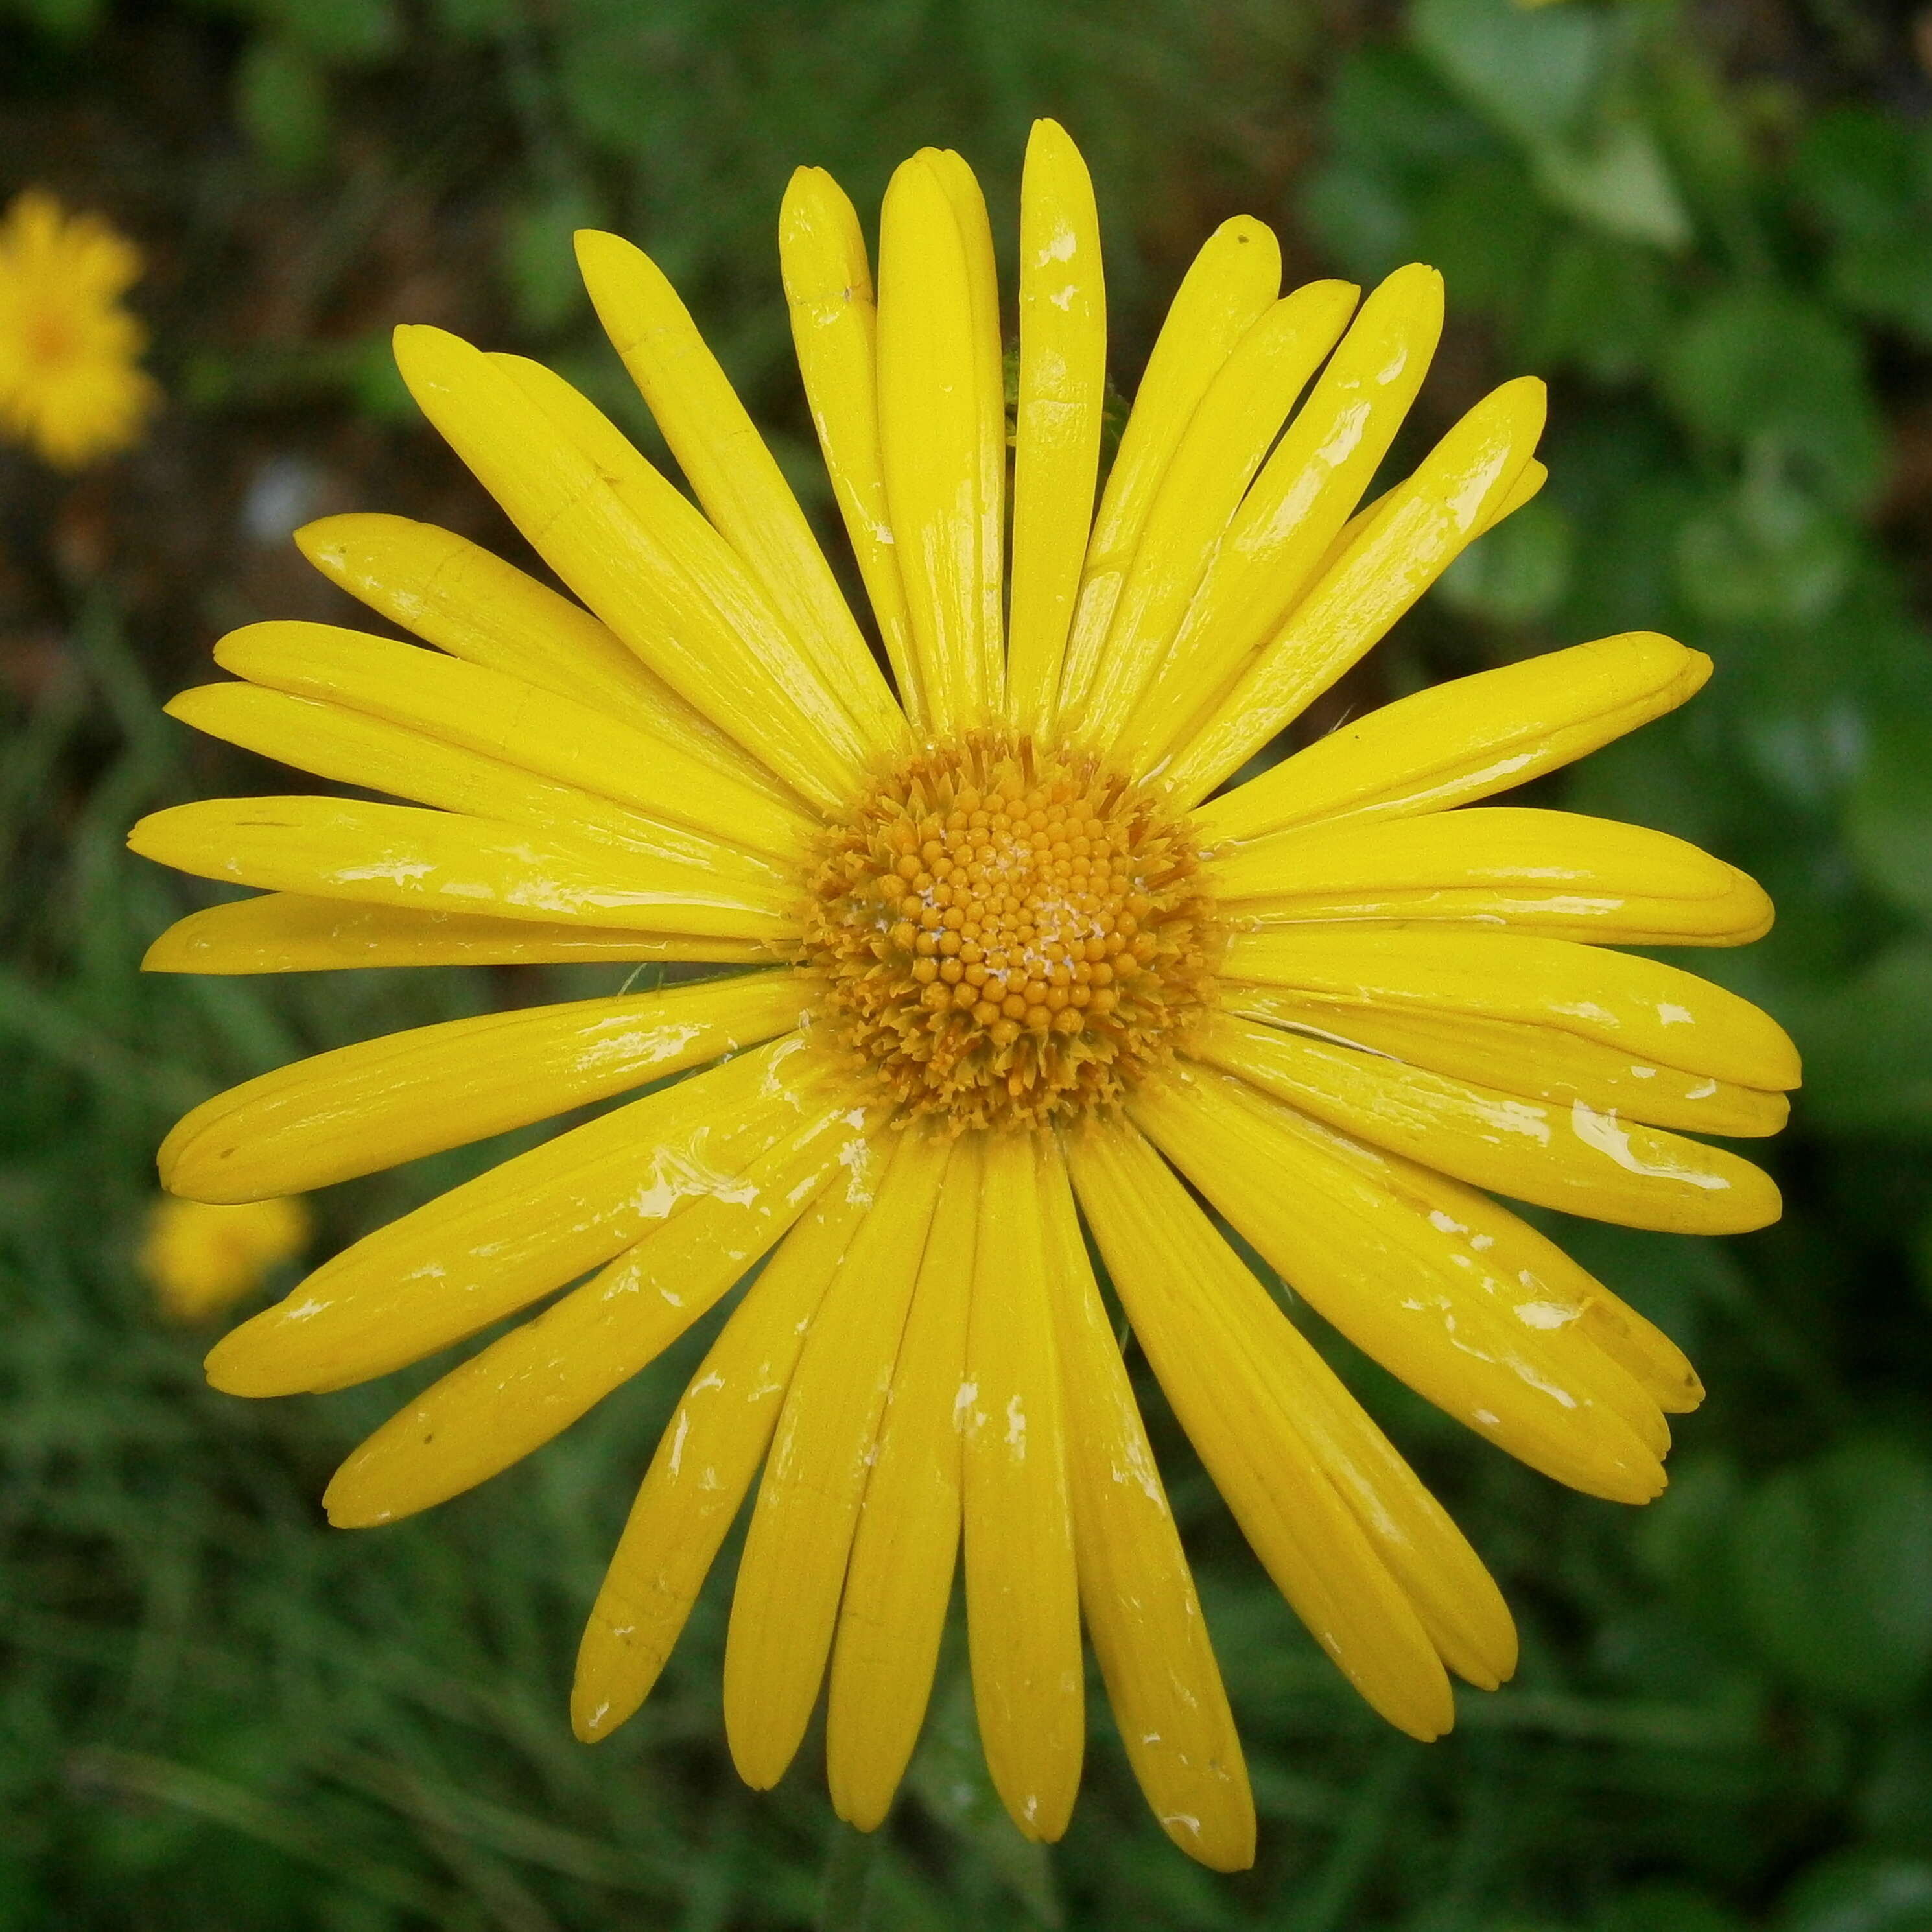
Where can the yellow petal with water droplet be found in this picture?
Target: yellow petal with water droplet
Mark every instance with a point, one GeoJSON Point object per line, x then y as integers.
{"type": "Point", "coordinates": [366, 1107]}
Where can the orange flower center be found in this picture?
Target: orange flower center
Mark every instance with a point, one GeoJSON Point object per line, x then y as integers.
{"type": "Point", "coordinates": [1009, 934]}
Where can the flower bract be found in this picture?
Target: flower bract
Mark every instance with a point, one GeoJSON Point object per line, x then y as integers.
{"type": "Point", "coordinates": [1025, 956]}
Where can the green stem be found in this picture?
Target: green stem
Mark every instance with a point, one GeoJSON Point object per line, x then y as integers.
{"type": "Point", "coordinates": [849, 1859]}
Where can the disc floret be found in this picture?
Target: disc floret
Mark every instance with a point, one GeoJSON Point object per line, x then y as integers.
{"type": "Point", "coordinates": [1009, 934]}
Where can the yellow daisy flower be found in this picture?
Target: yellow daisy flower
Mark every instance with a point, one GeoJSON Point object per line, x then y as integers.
{"type": "Point", "coordinates": [69, 384]}
{"type": "Point", "coordinates": [1016, 969]}
{"type": "Point", "coordinates": [201, 1260]}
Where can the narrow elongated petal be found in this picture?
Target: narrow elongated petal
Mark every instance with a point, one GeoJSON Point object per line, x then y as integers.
{"type": "Point", "coordinates": [531, 1384]}
{"type": "Point", "coordinates": [352, 748]}
{"type": "Point", "coordinates": [976, 236]}
{"type": "Point", "coordinates": [285, 932]}
{"type": "Point", "coordinates": [444, 861]}
{"type": "Point", "coordinates": [500, 1242]}
{"type": "Point", "coordinates": [1537, 1062]}
{"type": "Point", "coordinates": [1456, 742]}
{"type": "Point", "coordinates": [1172, 1271]}
{"type": "Point", "coordinates": [784, 1609]}
{"type": "Point", "coordinates": [1229, 432]}
{"type": "Point", "coordinates": [369, 1106]}
{"type": "Point", "coordinates": [1423, 526]}
{"type": "Point", "coordinates": [1642, 1007]}
{"type": "Point", "coordinates": [1062, 385]}
{"type": "Point", "coordinates": [643, 559]}
{"type": "Point", "coordinates": [1283, 537]}
{"type": "Point", "coordinates": [1574, 1158]}
{"type": "Point", "coordinates": [732, 473]}
{"type": "Point", "coordinates": [892, 1614]}
{"type": "Point", "coordinates": [458, 596]}
{"type": "Point", "coordinates": [856, 710]}
{"type": "Point", "coordinates": [828, 284]}
{"type": "Point", "coordinates": [934, 420]}
{"type": "Point", "coordinates": [505, 719]}
{"type": "Point", "coordinates": [1022, 1594]}
{"type": "Point", "coordinates": [703, 1467]}
{"type": "Point", "coordinates": [1451, 1294]}
{"type": "Point", "coordinates": [1555, 872]}
{"type": "Point", "coordinates": [1232, 283]}
{"type": "Point", "coordinates": [1135, 1589]}
{"type": "Point", "coordinates": [1455, 1598]}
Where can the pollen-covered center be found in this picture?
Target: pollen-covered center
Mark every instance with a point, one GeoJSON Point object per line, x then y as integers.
{"type": "Point", "coordinates": [1009, 934]}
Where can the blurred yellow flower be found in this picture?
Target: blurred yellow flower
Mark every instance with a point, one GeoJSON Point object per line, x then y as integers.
{"type": "Point", "coordinates": [201, 1259]}
{"type": "Point", "coordinates": [70, 386]}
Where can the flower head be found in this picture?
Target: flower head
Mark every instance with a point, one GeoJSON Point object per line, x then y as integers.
{"type": "Point", "coordinates": [1015, 963]}
{"type": "Point", "coordinates": [69, 384]}
{"type": "Point", "coordinates": [200, 1260]}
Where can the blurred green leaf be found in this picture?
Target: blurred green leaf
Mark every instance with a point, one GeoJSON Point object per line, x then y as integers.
{"type": "Point", "coordinates": [337, 32]}
{"type": "Point", "coordinates": [1618, 181]}
{"type": "Point", "coordinates": [1668, 1908]}
{"type": "Point", "coordinates": [1833, 1565]}
{"type": "Point", "coordinates": [540, 259]}
{"type": "Point", "coordinates": [1860, 1892]}
{"type": "Point", "coordinates": [281, 99]}
{"type": "Point", "coordinates": [1867, 1049]}
{"type": "Point", "coordinates": [1599, 305]}
{"type": "Point", "coordinates": [1762, 367]}
{"type": "Point", "coordinates": [1867, 177]}
{"type": "Point", "coordinates": [1888, 820]}
{"type": "Point", "coordinates": [1518, 572]}
{"type": "Point", "coordinates": [68, 19]}
{"type": "Point", "coordinates": [1680, 1538]}
{"type": "Point", "coordinates": [478, 19]}
{"type": "Point", "coordinates": [1534, 73]}
{"type": "Point", "coordinates": [1765, 553]}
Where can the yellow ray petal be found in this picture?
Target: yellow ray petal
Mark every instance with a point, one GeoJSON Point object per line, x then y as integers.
{"type": "Point", "coordinates": [1022, 1595]}
{"type": "Point", "coordinates": [369, 1106]}
{"type": "Point", "coordinates": [936, 417]}
{"type": "Point", "coordinates": [530, 1224]}
{"type": "Point", "coordinates": [1063, 385]}
{"type": "Point", "coordinates": [1226, 437]}
{"type": "Point", "coordinates": [445, 861]}
{"type": "Point", "coordinates": [892, 1614]}
{"type": "Point", "coordinates": [457, 595]}
{"type": "Point", "coordinates": [1507, 865]}
{"type": "Point", "coordinates": [503, 717]}
{"type": "Point", "coordinates": [641, 557]}
{"type": "Point", "coordinates": [1458, 1604]}
{"type": "Point", "coordinates": [1134, 1586]}
{"type": "Point", "coordinates": [1464, 740]}
{"type": "Point", "coordinates": [1233, 280]}
{"type": "Point", "coordinates": [1537, 1062]}
{"type": "Point", "coordinates": [1573, 1158]}
{"type": "Point", "coordinates": [705, 1461]}
{"type": "Point", "coordinates": [732, 473]}
{"type": "Point", "coordinates": [786, 1604]}
{"type": "Point", "coordinates": [828, 285]}
{"type": "Point", "coordinates": [284, 932]}
{"type": "Point", "coordinates": [1282, 539]}
{"type": "Point", "coordinates": [352, 748]}
{"type": "Point", "coordinates": [1171, 1270]}
{"type": "Point", "coordinates": [976, 235]}
{"type": "Point", "coordinates": [1425, 524]}
{"type": "Point", "coordinates": [729, 588]}
{"type": "Point", "coordinates": [1651, 1011]}
{"type": "Point", "coordinates": [1449, 1292]}
{"type": "Point", "coordinates": [533, 1383]}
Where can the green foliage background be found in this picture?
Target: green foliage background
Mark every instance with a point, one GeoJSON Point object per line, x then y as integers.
{"type": "Point", "coordinates": [1713, 230]}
